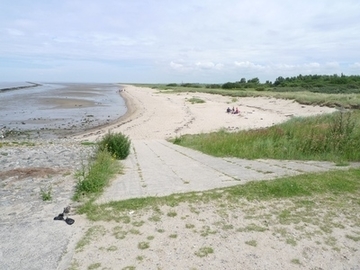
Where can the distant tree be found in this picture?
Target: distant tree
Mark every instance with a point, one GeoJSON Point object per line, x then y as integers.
{"type": "Point", "coordinates": [243, 80]}
{"type": "Point", "coordinates": [279, 81]}
{"type": "Point", "coordinates": [254, 80]}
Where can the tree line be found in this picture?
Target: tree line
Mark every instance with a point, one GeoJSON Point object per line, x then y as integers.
{"type": "Point", "coordinates": [315, 83]}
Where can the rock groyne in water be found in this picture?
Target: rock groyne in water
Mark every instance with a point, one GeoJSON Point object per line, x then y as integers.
{"type": "Point", "coordinates": [20, 87]}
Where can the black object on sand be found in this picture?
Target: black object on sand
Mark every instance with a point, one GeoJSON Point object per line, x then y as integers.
{"type": "Point", "coordinates": [59, 217]}
{"type": "Point", "coordinates": [69, 221]}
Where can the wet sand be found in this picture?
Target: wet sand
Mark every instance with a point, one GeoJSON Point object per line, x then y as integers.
{"type": "Point", "coordinates": [59, 112]}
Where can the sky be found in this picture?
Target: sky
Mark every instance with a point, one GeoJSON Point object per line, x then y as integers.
{"type": "Point", "coordinates": [168, 41]}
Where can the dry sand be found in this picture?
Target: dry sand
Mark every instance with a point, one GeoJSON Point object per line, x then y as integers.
{"type": "Point", "coordinates": [277, 234]}
{"type": "Point", "coordinates": [155, 115]}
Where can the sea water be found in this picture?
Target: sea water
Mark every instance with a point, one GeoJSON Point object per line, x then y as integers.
{"type": "Point", "coordinates": [54, 107]}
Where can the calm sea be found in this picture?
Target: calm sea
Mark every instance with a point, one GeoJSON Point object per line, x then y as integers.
{"type": "Point", "coordinates": [59, 106]}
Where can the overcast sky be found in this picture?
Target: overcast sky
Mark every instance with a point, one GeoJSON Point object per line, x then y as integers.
{"type": "Point", "coordinates": [163, 41]}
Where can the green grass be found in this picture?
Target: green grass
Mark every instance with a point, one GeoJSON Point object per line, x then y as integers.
{"type": "Point", "coordinates": [92, 180]}
{"type": "Point", "coordinates": [302, 95]}
{"type": "Point", "coordinates": [204, 251]}
{"type": "Point", "coordinates": [143, 245]}
{"type": "Point", "coordinates": [45, 193]}
{"type": "Point", "coordinates": [194, 100]}
{"type": "Point", "coordinates": [94, 266]}
{"type": "Point", "coordinates": [251, 243]}
{"type": "Point", "coordinates": [330, 137]}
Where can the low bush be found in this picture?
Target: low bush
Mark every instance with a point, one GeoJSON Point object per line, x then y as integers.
{"type": "Point", "coordinates": [117, 144]}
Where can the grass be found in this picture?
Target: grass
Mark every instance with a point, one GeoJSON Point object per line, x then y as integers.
{"type": "Point", "coordinates": [45, 193]}
{"type": "Point", "coordinates": [91, 234]}
{"type": "Point", "coordinates": [351, 100]}
{"type": "Point", "coordinates": [252, 243]}
{"type": "Point", "coordinates": [296, 261]}
{"type": "Point", "coordinates": [94, 266]}
{"type": "Point", "coordinates": [143, 245]}
{"type": "Point", "coordinates": [330, 137]}
{"type": "Point", "coordinates": [354, 238]}
{"type": "Point", "coordinates": [92, 180]}
{"type": "Point", "coordinates": [194, 100]}
{"type": "Point", "coordinates": [172, 214]}
{"type": "Point", "coordinates": [204, 251]}
{"type": "Point", "coordinates": [174, 235]}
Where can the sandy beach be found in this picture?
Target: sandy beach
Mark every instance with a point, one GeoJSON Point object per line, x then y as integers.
{"type": "Point", "coordinates": [155, 115]}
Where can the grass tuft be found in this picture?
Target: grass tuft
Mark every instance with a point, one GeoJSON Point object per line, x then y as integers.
{"type": "Point", "coordinates": [204, 251]}
{"type": "Point", "coordinates": [45, 193]}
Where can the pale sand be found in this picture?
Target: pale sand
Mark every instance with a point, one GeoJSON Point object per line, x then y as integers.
{"type": "Point", "coordinates": [155, 115]}
{"type": "Point", "coordinates": [242, 235]}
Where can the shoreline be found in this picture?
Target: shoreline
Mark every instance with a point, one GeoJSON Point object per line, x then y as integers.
{"type": "Point", "coordinates": [54, 112]}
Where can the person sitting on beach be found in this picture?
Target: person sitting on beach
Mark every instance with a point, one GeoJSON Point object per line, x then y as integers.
{"type": "Point", "coordinates": [228, 110]}
{"type": "Point", "coordinates": [236, 111]}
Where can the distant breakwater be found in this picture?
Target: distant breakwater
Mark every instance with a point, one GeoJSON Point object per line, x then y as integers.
{"type": "Point", "coordinates": [20, 87]}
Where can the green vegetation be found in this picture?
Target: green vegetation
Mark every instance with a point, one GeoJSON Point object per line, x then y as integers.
{"type": "Point", "coordinates": [296, 261]}
{"type": "Point", "coordinates": [251, 243]}
{"type": "Point", "coordinates": [95, 178]}
{"type": "Point", "coordinates": [117, 144]}
{"type": "Point", "coordinates": [94, 266]}
{"type": "Point", "coordinates": [328, 137]}
{"type": "Point", "coordinates": [143, 245]}
{"type": "Point", "coordinates": [92, 234]}
{"type": "Point", "coordinates": [172, 214]}
{"type": "Point", "coordinates": [204, 251]}
{"type": "Point", "coordinates": [194, 100]}
{"type": "Point", "coordinates": [46, 193]}
{"type": "Point", "coordinates": [326, 90]}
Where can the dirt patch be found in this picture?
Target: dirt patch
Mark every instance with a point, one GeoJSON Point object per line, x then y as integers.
{"type": "Point", "coordinates": [34, 172]}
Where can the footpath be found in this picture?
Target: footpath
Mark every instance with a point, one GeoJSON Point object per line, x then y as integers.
{"type": "Point", "coordinates": [160, 168]}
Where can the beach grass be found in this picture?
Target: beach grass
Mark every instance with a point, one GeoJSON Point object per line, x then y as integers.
{"type": "Point", "coordinates": [351, 100]}
{"type": "Point", "coordinates": [96, 176]}
{"type": "Point", "coordinates": [331, 137]}
{"type": "Point", "coordinates": [195, 100]}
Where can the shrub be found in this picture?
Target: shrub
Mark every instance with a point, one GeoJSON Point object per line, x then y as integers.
{"type": "Point", "coordinates": [196, 100]}
{"type": "Point", "coordinates": [117, 144]}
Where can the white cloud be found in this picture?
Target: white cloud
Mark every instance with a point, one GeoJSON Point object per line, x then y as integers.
{"type": "Point", "coordinates": [332, 65]}
{"type": "Point", "coordinates": [250, 65]}
{"type": "Point", "coordinates": [355, 65]}
{"type": "Point", "coordinates": [14, 32]}
{"type": "Point", "coordinates": [176, 65]}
